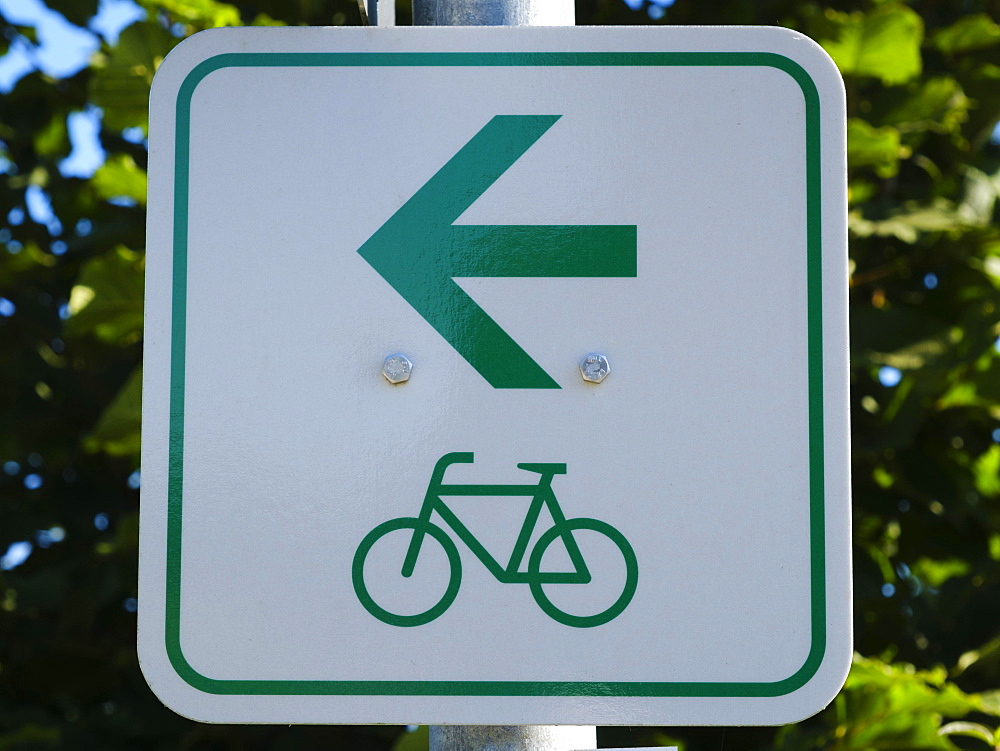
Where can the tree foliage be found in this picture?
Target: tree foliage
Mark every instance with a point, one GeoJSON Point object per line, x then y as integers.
{"type": "Point", "coordinates": [923, 83]}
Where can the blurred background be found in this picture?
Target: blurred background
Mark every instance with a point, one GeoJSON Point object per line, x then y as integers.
{"type": "Point", "coordinates": [923, 87]}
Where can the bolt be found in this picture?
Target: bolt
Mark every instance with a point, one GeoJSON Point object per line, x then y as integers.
{"type": "Point", "coordinates": [595, 368]}
{"type": "Point", "coordinates": [397, 369]}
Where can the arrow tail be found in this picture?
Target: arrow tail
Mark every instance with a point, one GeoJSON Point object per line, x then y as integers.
{"type": "Point", "coordinates": [533, 250]}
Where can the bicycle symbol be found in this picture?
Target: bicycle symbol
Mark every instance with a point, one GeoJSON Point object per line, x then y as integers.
{"type": "Point", "coordinates": [542, 496]}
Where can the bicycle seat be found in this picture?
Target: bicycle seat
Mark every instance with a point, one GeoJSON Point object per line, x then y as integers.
{"type": "Point", "coordinates": [543, 468]}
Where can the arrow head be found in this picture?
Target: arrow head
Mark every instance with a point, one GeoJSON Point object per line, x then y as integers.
{"type": "Point", "coordinates": [419, 250]}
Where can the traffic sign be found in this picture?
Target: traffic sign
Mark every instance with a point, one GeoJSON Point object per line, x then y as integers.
{"type": "Point", "coordinates": [496, 376]}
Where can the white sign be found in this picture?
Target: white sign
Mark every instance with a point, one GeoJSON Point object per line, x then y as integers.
{"type": "Point", "coordinates": [484, 216]}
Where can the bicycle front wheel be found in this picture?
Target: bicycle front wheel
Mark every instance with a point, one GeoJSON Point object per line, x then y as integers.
{"type": "Point", "coordinates": [381, 555]}
{"type": "Point", "coordinates": [601, 535]}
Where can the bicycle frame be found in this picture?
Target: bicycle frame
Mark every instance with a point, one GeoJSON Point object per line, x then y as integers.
{"type": "Point", "coordinates": [541, 494]}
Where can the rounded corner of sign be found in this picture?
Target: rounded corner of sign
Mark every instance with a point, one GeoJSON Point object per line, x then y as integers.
{"type": "Point", "coordinates": [179, 56]}
{"type": "Point", "coordinates": [840, 662]}
{"type": "Point", "coordinates": [805, 56]}
{"type": "Point", "coordinates": [189, 61]}
{"type": "Point", "coordinates": [818, 687]}
{"type": "Point", "coordinates": [190, 707]}
{"type": "Point", "coordinates": [813, 707]}
{"type": "Point", "coordinates": [162, 680]}
{"type": "Point", "coordinates": [178, 686]}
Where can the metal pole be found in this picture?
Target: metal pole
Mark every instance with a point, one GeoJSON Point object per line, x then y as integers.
{"type": "Point", "coordinates": [503, 737]}
{"type": "Point", "coordinates": [513, 737]}
{"type": "Point", "coordinates": [381, 12]}
{"type": "Point", "coordinates": [493, 13]}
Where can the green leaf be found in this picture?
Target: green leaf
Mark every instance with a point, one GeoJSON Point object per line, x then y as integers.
{"type": "Point", "coordinates": [935, 573]}
{"type": "Point", "coordinates": [418, 740]}
{"type": "Point", "coordinates": [970, 729]}
{"type": "Point", "coordinates": [884, 44]}
{"type": "Point", "coordinates": [860, 191]}
{"type": "Point", "coordinates": [262, 19]}
{"type": "Point", "coordinates": [53, 140]}
{"type": "Point", "coordinates": [986, 470]}
{"type": "Point", "coordinates": [879, 148]}
{"type": "Point", "coordinates": [30, 737]}
{"type": "Point", "coordinates": [201, 14]}
{"type": "Point", "coordinates": [903, 337]}
{"type": "Point", "coordinates": [30, 33]}
{"type": "Point", "coordinates": [120, 83]}
{"type": "Point", "coordinates": [938, 105]}
{"type": "Point", "coordinates": [77, 12]}
{"type": "Point", "coordinates": [909, 223]}
{"type": "Point", "coordinates": [980, 387]}
{"type": "Point", "coordinates": [887, 706]}
{"type": "Point", "coordinates": [121, 177]}
{"type": "Point", "coordinates": [989, 701]}
{"type": "Point", "coordinates": [106, 302]}
{"type": "Point", "coordinates": [118, 432]}
{"type": "Point", "coordinates": [968, 33]}
{"type": "Point", "coordinates": [883, 477]}
{"type": "Point", "coordinates": [982, 191]}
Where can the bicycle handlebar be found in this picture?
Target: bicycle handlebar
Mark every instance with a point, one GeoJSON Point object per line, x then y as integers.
{"type": "Point", "coordinates": [467, 457]}
{"type": "Point", "coordinates": [543, 468]}
{"type": "Point", "coordinates": [455, 457]}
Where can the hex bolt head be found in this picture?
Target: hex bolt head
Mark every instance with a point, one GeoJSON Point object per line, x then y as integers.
{"type": "Point", "coordinates": [595, 368]}
{"type": "Point", "coordinates": [397, 369]}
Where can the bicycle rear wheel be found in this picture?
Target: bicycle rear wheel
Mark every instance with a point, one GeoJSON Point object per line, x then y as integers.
{"type": "Point", "coordinates": [394, 568]}
{"type": "Point", "coordinates": [570, 526]}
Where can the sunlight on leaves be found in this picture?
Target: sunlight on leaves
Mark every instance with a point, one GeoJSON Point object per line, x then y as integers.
{"type": "Point", "coordinates": [121, 177]}
{"type": "Point", "coordinates": [887, 706]}
{"type": "Point", "coordinates": [970, 729]}
{"type": "Point", "coordinates": [969, 33]}
{"type": "Point", "coordinates": [987, 472]}
{"type": "Point", "coordinates": [938, 104]}
{"type": "Point", "coordinates": [200, 14]}
{"type": "Point", "coordinates": [120, 84]}
{"type": "Point", "coordinates": [880, 148]}
{"type": "Point", "coordinates": [107, 300]}
{"type": "Point", "coordinates": [935, 573]}
{"type": "Point", "coordinates": [883, 44]}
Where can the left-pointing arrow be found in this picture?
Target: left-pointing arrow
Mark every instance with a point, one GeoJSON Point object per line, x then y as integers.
{"type": "Point", "coordinates": [419, 250]}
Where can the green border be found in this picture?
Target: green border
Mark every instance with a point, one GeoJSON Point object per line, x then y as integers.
{"type": "Point", "coordinates": [498, 688]}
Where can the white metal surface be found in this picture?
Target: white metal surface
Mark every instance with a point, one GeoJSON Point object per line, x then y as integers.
{"type": "Point", "coordinates": [717, 447]}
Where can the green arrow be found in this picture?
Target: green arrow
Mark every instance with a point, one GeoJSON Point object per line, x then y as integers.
{"type": "Point", "coordinates": [419, 249]}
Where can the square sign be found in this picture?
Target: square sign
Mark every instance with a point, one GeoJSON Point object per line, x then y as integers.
{"type": "Point", "coordinates": [496, 376]}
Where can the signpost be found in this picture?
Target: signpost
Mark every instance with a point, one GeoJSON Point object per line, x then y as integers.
{"type": "Point", "coordinates": [535, 414]}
